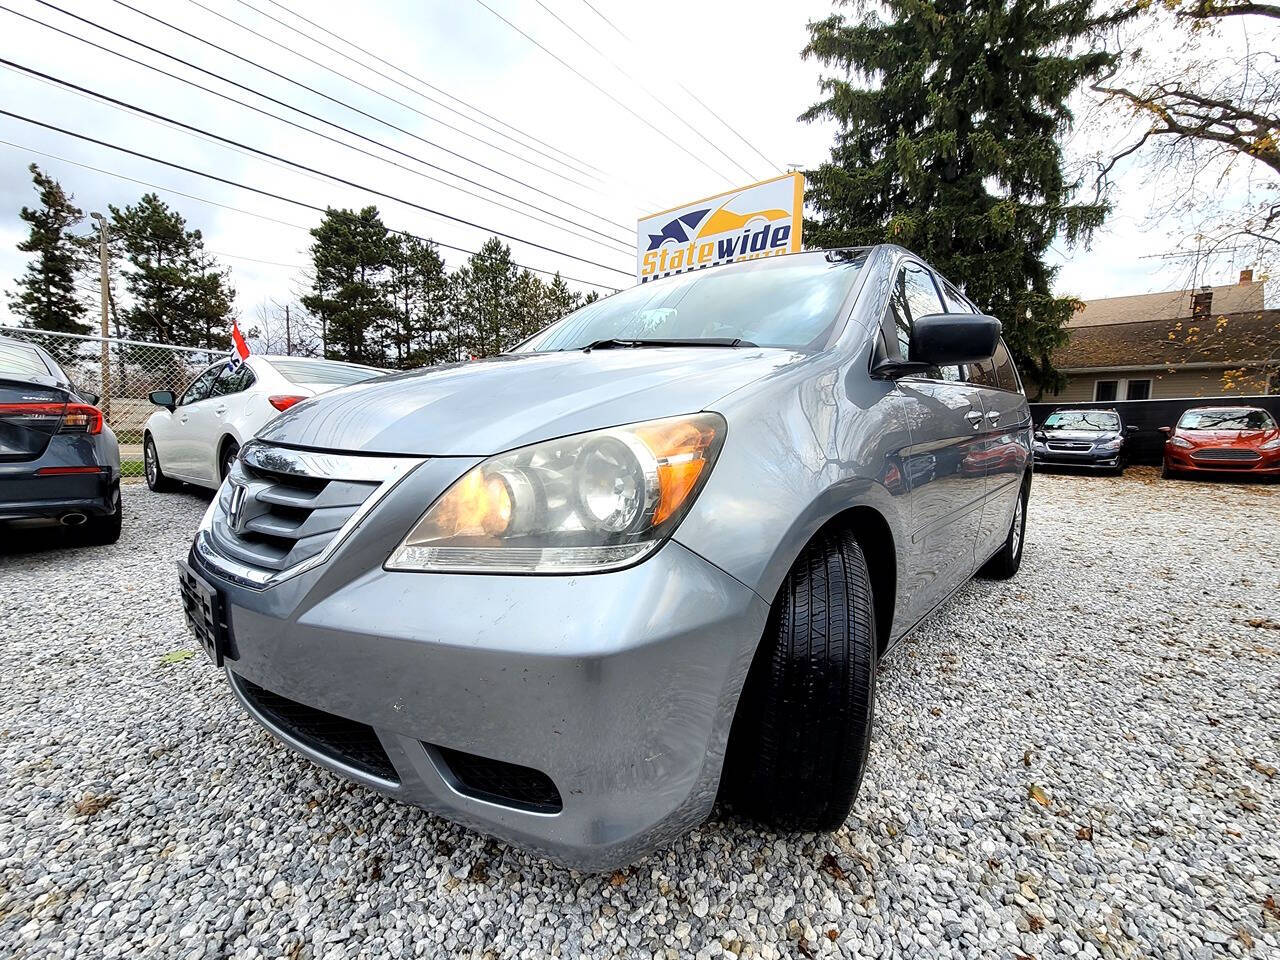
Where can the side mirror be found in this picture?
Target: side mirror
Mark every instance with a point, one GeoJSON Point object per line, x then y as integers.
{"type": "Point", "coordinates": [88, 397]}
{"type": "Point", "coordinates": [162, 398]}
{"type": "Point", "coordinates": [943, 340]}
{"type": "Point", "coordinates": [1166, 430]}
{"type": "Point", "coordinates": [1131, 429]}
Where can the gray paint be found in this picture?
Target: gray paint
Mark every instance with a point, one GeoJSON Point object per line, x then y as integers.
{"type": "Point", "coordinates": [621, 686]}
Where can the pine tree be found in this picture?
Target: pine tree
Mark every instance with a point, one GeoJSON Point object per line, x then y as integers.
{"type": "Point", "coordinates": [351, 293]}
{"type": "Point", "coordinates": [421, 293]}
{"type": "Point", "coordinates": [485, 302]}
{"type": "Point", "coordinates": [948, 116]}
{"type": "Point", "coordinates": [46, 294]}
{"type": "Point", "coordinates": [177, 292]}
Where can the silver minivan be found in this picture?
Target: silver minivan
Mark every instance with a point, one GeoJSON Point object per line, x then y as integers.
{"type": "Point", "coordinates": [572, 594]}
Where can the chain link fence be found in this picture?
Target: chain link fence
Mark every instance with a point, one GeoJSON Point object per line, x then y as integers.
{"type": "Point", "coordinates": [122, 373]}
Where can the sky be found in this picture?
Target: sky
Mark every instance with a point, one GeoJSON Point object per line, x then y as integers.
{"type": "Point", "coordinates": [605, 127]}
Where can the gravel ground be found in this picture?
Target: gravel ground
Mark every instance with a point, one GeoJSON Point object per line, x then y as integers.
{"type": "Point", "coordinates": [1079, 762]}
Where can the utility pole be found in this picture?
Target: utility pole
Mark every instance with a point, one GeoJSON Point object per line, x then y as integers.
{"type": "Point", "coordinates": [105, 280]}
{"type": "Point", "coordinates": [288, 336]}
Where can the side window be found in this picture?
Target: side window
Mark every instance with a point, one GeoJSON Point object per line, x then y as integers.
{"type": "Point", "coordinates": [199, 388]}
{"type": "Point", "coordinates": [1006, 375]}
{"type": "Point", "coordinates": [914, 296]}
{"type": "Point", "coordinates": [956, 303]}
{"type": "Point", "coordinates": [232, 382]}
{"type": "Point", "coordinates": [982, 374]}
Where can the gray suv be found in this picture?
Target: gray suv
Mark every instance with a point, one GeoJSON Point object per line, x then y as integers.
{"type": "Point", "coordinates": [571, 594]}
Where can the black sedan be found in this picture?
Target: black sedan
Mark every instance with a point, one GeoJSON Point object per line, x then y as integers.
{"type": "Point", "coordinates": [59, 462]}
{"type": "Point", "coordinates": [1082, 438]}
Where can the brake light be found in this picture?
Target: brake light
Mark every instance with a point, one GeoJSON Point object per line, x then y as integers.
{"type": "Point", "coordinates": [75, 417]}
{"type": "Point", "coordinates": [81, 418]}
{"type": "Point", "coordinates": [284, 402]}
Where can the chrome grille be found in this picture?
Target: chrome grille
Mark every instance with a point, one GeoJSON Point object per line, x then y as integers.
{"type": "Point", "coordinates": [1226, 453]}
{"type": "Point", "coordinates": [281, 511]}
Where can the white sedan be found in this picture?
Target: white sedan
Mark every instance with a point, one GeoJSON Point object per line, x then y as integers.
{"type": "Point", "coordinates": [196, 437]}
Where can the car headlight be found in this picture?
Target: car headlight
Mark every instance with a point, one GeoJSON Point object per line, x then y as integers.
{"type": "Point", "coordinates": [1180, 442]}
{"type": "Point", "coordinates": [1271, 445]}
{"type": "Point", "coordinates": [590, 502]}
{"type": "Point", "coordinates": [1112, 443]}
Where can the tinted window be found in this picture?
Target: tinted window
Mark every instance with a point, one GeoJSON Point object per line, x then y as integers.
{"type": "Point", "coordinates": [1226, 418]}
{"type": "Point", "coordinates": [1006, 376]}
{"type": "Point", "coordinates": [199, 388]}
{"type": "Point", "coordinates": [955, 301]}
{"type": "Point", "coordinates": [325, 372]}
{"type": "Point", "coordinates": [791, 304]}
{"type": "Point", "coordinates": [1138, 390]}
{"type": "Point", "coordinates": [1105, 390]}
{"type": "Point", "coordinates": [18, 358]}
{"type": "Point", "coordinates": [232, 381]}
{"type": "Point", "coordinates": [982, 374]}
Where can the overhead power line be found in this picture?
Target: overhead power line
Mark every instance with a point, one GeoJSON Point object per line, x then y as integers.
{"type": "Point", "coordinates": [607, 240]}
{"type": "Point", "coordinates": [643, 86]}
{"type": "Point", "coordinates": [306, 168]}
{"type": "Point", "coordinates": [260, 191]}
{"type": "Point", "coordinates": [312, 116]}
{"type": "Point", "coordinates": [725, 123]}
{"type": "Point", "coordinates": [583, 77]}
{"type": "Point", "coordinates": [575, 164]}
{"type": "Point", "coordinates": [352, 108]}
{"type": "Point", "coordinates": [399, 103]}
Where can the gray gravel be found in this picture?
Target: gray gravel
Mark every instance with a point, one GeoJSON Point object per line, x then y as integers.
{"type": "Point", "coordinates": [1080, 762]}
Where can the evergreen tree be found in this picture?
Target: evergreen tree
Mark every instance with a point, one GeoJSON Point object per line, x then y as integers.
{"type": "Point", "coordinates": [177, 293]}
{"type": "Point", "coordinates": [485, 303]}
{"type": "Point", "coordinates": [46, 294]}
{"type": "Point", "coordinates": [561, 301]}
{"type": "Point", "coordinates": [948, 117]}
{"type": "Point", "coordinates": [532, 305]}
{"type": "Point", "coordinates": [421, 293]}
{"type": "Point", "coordinates": [351, 293]}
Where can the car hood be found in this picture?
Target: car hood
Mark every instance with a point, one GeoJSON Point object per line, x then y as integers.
{"type": "Point", "coordinates": [488, 406]}
{"type": "Point", "coordinates": [1078, 434]}
{"type": "Point", "coordinates": [1228, 438]}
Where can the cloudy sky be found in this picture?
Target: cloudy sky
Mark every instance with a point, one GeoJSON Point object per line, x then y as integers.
{"type": "Point", "coordinates": [580, 132]}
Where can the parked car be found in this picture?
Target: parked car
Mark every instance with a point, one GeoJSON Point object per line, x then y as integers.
{"type": "Point", "coordinates": [1223, 439]}
{"type": "Point", "coordinates": [59, 462]}
{"type": "Point", "coordinates": [569, 594]}
{"type": "Point", "coordinates": [195, 437]}
{"type": "Point", "coordinates": [1082, 438]}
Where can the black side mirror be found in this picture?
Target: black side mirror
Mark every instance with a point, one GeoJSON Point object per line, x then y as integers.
{"type": "Point", "coordinates": [88, 397]}
{"type": "Point", "coordinates": [162, 398]}
{"type": "Point", "coordinates": [943, 340]}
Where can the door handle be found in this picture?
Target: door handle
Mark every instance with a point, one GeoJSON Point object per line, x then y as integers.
{"type": "Point", "coordinates": [974, 418]}
{"type": "Point", "coordinates": [219, 410]}
{"type": "Point", "coordinates": [994, 416]}
{"type": "Point", "coordinates": [183, 418]}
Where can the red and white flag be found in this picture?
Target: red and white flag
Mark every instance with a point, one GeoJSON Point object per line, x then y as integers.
{"type": "Point", "coordinates": [239, 349]}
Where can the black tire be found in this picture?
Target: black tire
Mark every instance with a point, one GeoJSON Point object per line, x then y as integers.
{"type": "Point", "coordinates": [156, 479]}
{"type": "Point", "coordinates": [1166, 473]}
{"type": "Point", "coordinates": [1005, 564]}
{"type": "Point", "coordinates": [230, 451]}
{"type": "Point", "coordinates": [101, 531]}
{"type": "Point", "coordinates": [802, 731]}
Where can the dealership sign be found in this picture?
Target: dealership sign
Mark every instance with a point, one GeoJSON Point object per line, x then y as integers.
{"type": "Point", "coordinates": [762, 220]}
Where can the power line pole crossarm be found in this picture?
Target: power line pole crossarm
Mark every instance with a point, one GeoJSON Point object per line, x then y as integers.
{"type": "Point", "coordinates": [105, 280]}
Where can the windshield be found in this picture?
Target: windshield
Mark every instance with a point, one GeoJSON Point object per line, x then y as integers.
{"type": "Point", "coordinates": [1227, 418]}
{"type": "Point", "coordinates": [325, 372]}
{"type": "Point", "coordinates": [1082, 420]}
{"type": "Point", "coordinates": [770, 304]}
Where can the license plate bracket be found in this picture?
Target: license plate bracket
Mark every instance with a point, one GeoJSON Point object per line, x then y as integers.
{"type": "Point", "coordinates": [205, 610]}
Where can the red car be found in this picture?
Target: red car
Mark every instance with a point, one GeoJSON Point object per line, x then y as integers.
{"type": "Point", "coordinates": [1221, 439]}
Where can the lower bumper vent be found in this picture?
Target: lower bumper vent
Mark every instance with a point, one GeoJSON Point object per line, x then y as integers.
{"type": "Point", "coordinates": [346, 741]}
{"type": "Point", "coordinates": [497, 781]}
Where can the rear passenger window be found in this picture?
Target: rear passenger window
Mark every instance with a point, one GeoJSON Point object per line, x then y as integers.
{"type": "Point", "coordinates": [232, 382]}
{"type": "Point", "coordinates": [1006, 375]}
{"type": "Point", "coordinates": [23, 360]}
{"type": "Point", "coordinates": [981, 374]}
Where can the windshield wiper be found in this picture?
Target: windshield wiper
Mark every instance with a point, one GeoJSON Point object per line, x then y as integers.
{"type": "Point", "coordinates": [614, 343]}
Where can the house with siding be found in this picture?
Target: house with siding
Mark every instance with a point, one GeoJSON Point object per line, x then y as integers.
{"type": "Point", "coordinates": [1217, 341]}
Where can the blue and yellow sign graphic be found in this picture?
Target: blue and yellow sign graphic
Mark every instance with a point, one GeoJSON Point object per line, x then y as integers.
{"type": "Point", "coordinates": [762, 220]}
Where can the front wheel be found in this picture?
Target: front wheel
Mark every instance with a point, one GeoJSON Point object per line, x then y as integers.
{"type": "Point", "coordinates": [1005, 564]}
{"type": "Point", "coordinates": [802, 731]}
{"type": "Point", "coordinates": [156, 479]}
{"type": "Point", "coordinates": [229, 454]}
